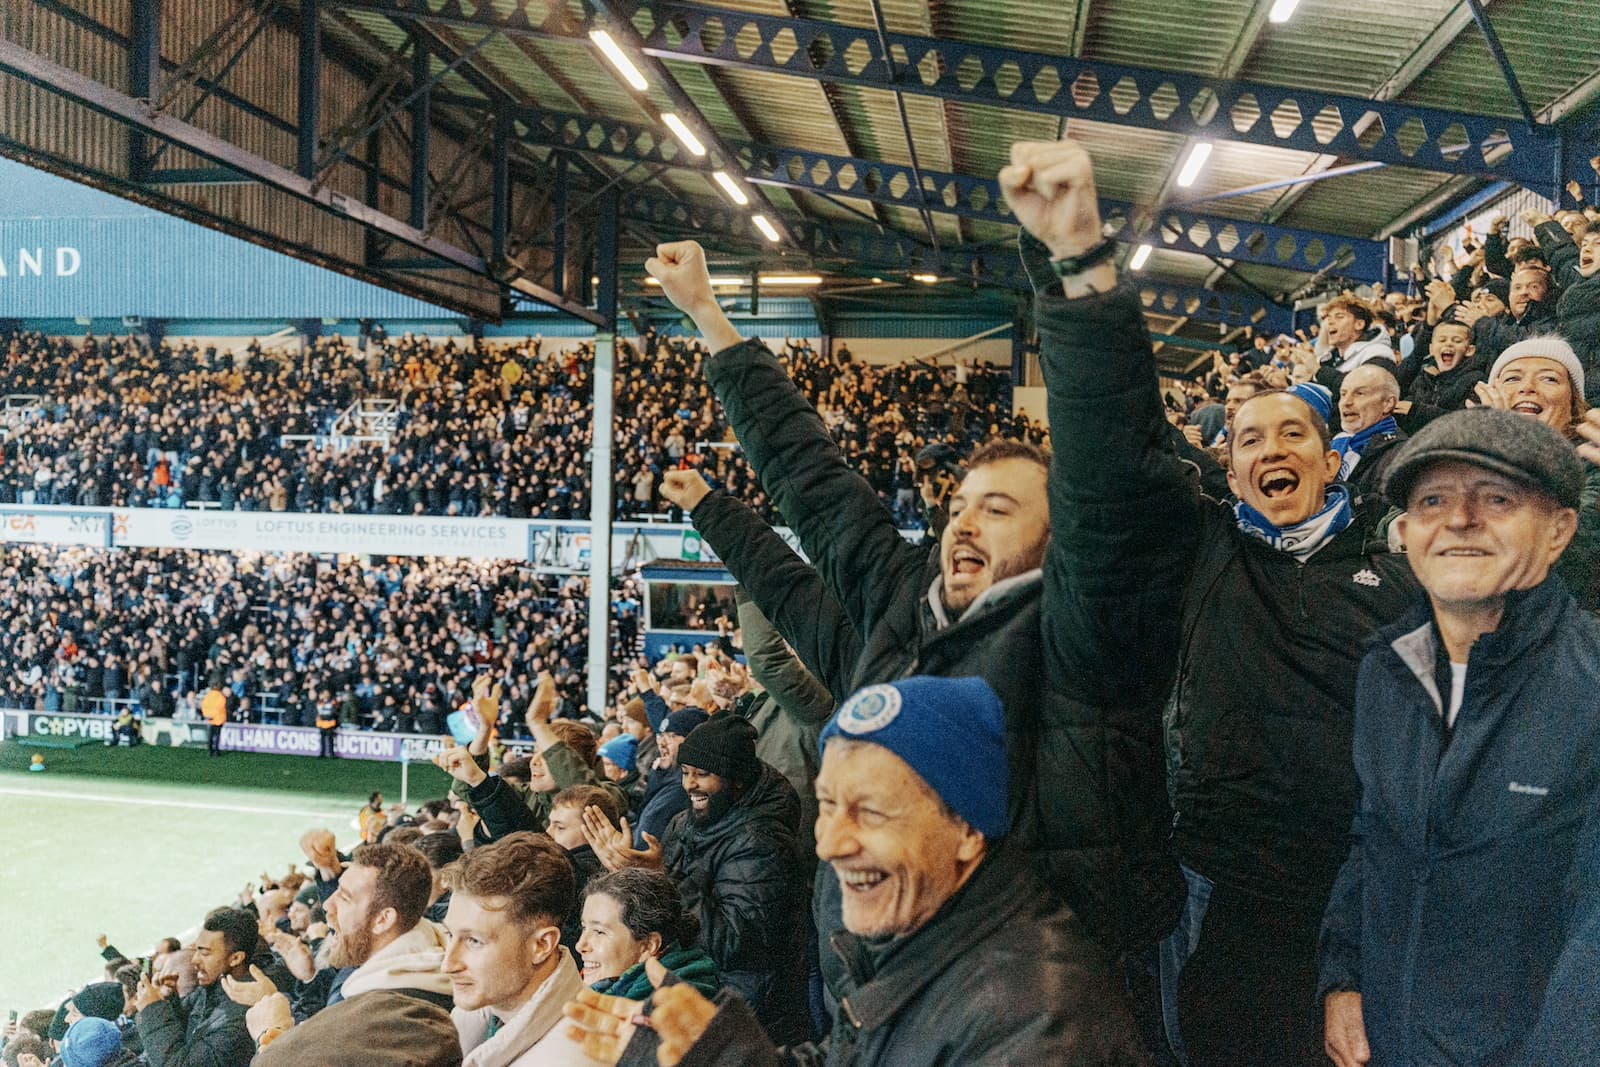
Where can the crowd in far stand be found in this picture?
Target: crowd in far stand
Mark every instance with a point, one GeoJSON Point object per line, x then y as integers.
{"type": "Point", "coordinates": [498, 429]}
{"type": "Point", "coordinates": [382, 644]}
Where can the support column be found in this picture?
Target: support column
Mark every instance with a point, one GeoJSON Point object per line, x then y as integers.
{"type": "Point", "coordinates": [600, 470]}
{"type": "Point", "coordinates": [600, 521]}
{"type": "Point", "coordinates": [144, 78]}
{"type": "Point", "coordinates": [420, 120]}
{"type": "Point", "coordinates": [500, 213]}
{"type": "Point", "coordinates": [308, 117]}
{"type": "Point", "coordinates": [558, 239]}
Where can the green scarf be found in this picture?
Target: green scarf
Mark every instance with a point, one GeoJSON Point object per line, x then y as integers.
{"type": "Point", "coordinates": [691, 965]}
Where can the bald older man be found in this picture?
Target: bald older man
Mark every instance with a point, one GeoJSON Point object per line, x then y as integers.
{"type": "Point", "coordinates": [1368, 431]}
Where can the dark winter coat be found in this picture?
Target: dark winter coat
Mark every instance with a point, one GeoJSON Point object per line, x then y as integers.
{"type": "Point", "coordinates": [742, 876]}
{"type": "Point", "coordinates": [1082, 712]}
{"type": "Point", "coordinates": [1260, 722]}
{"type": "Point", "coordinates": [1003, 975]}
{"type": "Point", "coordinates": [204, 1029]}
{"type": "Point", "coordinates": [1473, 877]}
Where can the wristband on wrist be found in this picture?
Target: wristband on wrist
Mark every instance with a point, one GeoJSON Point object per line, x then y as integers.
{"type": "Point", "coordinates": [1072, 266]}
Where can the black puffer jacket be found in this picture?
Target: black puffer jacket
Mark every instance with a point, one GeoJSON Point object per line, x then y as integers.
{"type": "Point", "coordinates": [1065, 649]}
{"type": "Point", "coordinates": [1267, 648]}
{"type": "Point", "coordinates": [744, 879]}
{"type": "Point", "coordinates": [1002, 976]}
{"type": "Point", "coordinates": [1262, 717]}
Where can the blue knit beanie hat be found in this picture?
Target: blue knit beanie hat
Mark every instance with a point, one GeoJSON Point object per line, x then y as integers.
{"type": "Point", "coordinates": [621, 750]}
{"type": "Point", "coordinates": [950, 731]}
{"type": "Point", "coordinates": [91, 1042]}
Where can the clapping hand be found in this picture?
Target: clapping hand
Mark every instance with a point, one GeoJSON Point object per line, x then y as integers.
{"type": "Point", "coordinates": [614, 847]}
{"type": "Point", "coordinates": [252, 993]}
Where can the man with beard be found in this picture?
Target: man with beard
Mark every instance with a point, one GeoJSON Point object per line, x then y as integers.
{"type": "Point", "coordinates": [386, 960]}
{"type": "Point", "coordinates": [735, 855]}
{"type": "Point", "coordinates": [1026, 591]}
{"type": "Point", "coordinates": [205, 1028]}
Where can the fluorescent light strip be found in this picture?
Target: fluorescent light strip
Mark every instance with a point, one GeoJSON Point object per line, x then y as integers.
{"type": "Point", "coordinates": [1195, 163]}
{"type": "Point", "coordinates": [729, 186]}
{"type": "Point", "coordinates": [619, 59]}
{"type": "Point", "coordinates": [717, 281]}
{"type": "Point", "coordinates": [1282, 10]}
{"type": "Point", "coordinates": [684, 135]}
{"type": "Point", "coordinates": [767, 229]}
{"type": "Point", "coordinates": [925, 279]}
{"type": "Point", "coordinates": [1140, 254]}
{"type": "Point", "coordinates": [791, 279]}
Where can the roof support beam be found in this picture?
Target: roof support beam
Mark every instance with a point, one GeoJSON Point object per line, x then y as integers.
{"type": "Point", "coordinates": [1177, 228]}
{"type": "Point", "coordinates": [68, 83]}
{"type": "Point", "coordinates": [1113, 93]}
{"type": "Point", "coordinates": [1492, 39]}
{"type": "Point", "coordinates": [308, 113]}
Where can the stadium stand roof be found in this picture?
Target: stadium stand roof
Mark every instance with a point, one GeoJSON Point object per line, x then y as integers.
{"type": "Point", "coordinates": [447, 146]}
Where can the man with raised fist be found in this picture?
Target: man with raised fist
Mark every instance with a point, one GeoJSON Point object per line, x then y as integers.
{"type": "Point", "coordinates": [1049, 600]}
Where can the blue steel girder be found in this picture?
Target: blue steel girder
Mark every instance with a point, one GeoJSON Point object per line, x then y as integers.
{"type": "Point", "coordinates": [1208, 305]}
{"type": "Point", "coordinates": [1174, 229]}
{"type": "Point", "coordinates": [1301, 119]}
{"type": "Point", "coordinates": [996, 267]}
{"type": "Point", "coordinates": [1120, 94]}
{"type": "Point", "coordinates": [860, 246]}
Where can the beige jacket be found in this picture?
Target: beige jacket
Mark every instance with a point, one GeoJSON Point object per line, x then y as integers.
{"type": "Point", "coordinates": [532, 1037]}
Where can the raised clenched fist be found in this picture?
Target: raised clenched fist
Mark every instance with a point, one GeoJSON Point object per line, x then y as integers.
{"type": "Point", "coordinates": [1050, 187]}
{"type": "Point", "coordinates": [680, 267]}
{"type": "Point", "coordinates": [684, 488]}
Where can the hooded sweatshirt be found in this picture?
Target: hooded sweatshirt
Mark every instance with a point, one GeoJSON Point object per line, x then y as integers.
{"type": "Point", "coordinates": [411, 961]}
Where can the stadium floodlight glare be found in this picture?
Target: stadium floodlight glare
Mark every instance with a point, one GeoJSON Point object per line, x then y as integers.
{"type": "Point", "coordinates": [1140, 254]}
{"type": "Point", "coordinates": [684, 135]}
{"type": "Point", "coordinates": [1282, 10]}
{"type": "Point", "coordinates": [791, 279]}
{"type": "Point", "coordinates": [925, 279]}
{"type": "Point", "coordinates": [1195, 163]}
{"type": "Point", "coordinates": [619, 59]}
{"type": "Point", "coordinates": [768, 231]}
{"type": "Point", "coordinates": [729, 186]}
{"type": "Point", "coordinates": [719, 281]}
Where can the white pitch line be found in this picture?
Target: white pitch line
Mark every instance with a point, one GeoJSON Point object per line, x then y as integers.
{"type": "Point", "coordinates": [150, 802]}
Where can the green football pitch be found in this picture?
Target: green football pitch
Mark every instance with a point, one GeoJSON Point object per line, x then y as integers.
{"type": "Point", "coordinates": [139, 844]}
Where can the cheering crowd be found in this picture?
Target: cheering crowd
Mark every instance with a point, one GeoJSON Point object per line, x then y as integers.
{"type": "Point", "coordinates": [1267, 740]}
{"type": "Point", "coordinates": [480, 430]}
{"type": "Point", "coordinates": [383, 644]}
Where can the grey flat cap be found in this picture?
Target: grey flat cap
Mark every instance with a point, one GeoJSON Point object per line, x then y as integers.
{"type": "Point", "coordinates": [1517, 446]}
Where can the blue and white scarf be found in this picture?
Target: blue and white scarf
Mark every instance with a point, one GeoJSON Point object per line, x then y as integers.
{"type": "Point", "coordinates": [1350, 445]}
{"type": "Point", "coordinates": [1303, 539]}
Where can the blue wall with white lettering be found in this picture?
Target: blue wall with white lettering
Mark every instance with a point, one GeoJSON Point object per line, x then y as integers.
{"type": "Point", "coordinates": [69, 251]}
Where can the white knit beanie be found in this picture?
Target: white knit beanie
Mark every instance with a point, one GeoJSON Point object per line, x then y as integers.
{"type": "Point", "coordinates": [1545, 346]}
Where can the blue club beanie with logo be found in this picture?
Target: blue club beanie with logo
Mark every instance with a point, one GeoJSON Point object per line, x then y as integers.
{"type": "Point", "coordinates": [950, 731]}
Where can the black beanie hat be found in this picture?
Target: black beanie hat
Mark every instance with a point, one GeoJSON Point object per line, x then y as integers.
{"type": "Point", "coordinates": [724, 745]}
{"type": "Point", "coordinates": [100, 1000]}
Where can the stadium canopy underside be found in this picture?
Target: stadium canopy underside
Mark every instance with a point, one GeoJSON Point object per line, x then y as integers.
{"type": "Point", "coordinates": [490, 157]}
